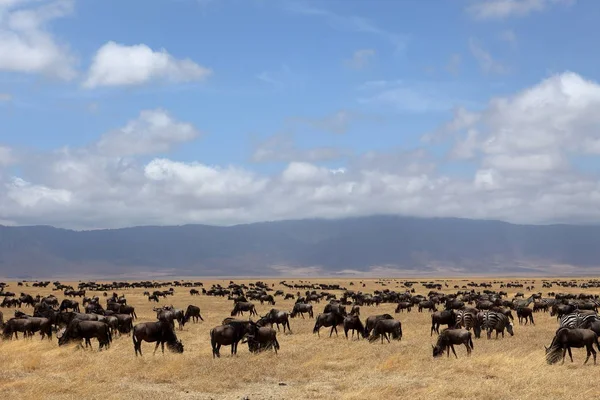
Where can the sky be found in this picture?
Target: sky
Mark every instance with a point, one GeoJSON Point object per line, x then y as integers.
{"type": "Point", "coordinates": [121, 113]}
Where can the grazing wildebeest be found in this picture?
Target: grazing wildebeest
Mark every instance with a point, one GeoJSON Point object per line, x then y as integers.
{"type": "Point", "coordinates": [78, 330]}
{"type": "Point", "coordinates": [194, 313]}
{"type": "Point", "coordinates": [278, 317]}
{"type": "Point", "coordinates": [525, 314]}
{"type": "Point", "coordinates": [385, 326]}
{"type": "Point", "coordinates": [289, 296]}
{"type": "Point", "coordinates": [14, 325]}
{"type": "Point", "coordinates": [438, 318]}
{"type": "Point", "coordinates": [331, 319]}
{"type": "Point", "coordinates": [448, 338]}
{"type": "Point", "coordinates": [339, 308]}
{"type": "Point", "coordinates": [194, 292]}
{"type": "Point", "coordinates": [301, 308]}
{"type": "Point", "coordinates": [353, 323]}
{"type": "Point", "coordinates": [242, 306]}
{"type": "Point", "coordinates": [268, 298]}
{"type": "Point", "coordinates": [261, 338]}
{"type": "Point", "coordinates": [403, 305]}
{"type": "Point", "coordinates": [566, 338]}
{"type": "Point", "coordinates": [229, 334]}
{"type": "Point", "coordinates": [372, 320]}
{"type": "Point", "coordinates": [160, 332]}
{"type": "Point", "coordinates": [153, 297]}
{"type": "Point", "coordinates": [427, 304]}
{"type": "Point", "coordinates": [67, 304]}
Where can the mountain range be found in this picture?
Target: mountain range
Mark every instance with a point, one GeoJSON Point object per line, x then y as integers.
{"type": "Point", "coordinates": [377, 245]}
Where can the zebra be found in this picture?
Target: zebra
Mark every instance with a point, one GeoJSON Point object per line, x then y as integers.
{"type": "Point", "coordinates": [468, 319]}
{"type": "Point", "coordinates": [577, 320]}
{"type": "Point", "coordinates": [491, 320]}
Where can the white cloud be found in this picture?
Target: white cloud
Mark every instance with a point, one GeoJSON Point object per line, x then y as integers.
{"type": "Point", "coordinates": [520, 147]}
{"type": "Point", "coordinates": [487, 63]}
{"type": "Point", "coordinates": [501, 9]}
{"type": "Point", "coordinates": [154, 131]}
{"type": "Point", "coordinates": [26, 44]}
{"type": "Point", "coordinates": [360, 59]}
{"type": "Point", "coordinates": [119, 65]}
{"type": "Point", "coordinates": [6, 156]}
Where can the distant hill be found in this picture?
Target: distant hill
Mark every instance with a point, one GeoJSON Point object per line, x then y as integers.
{"type": "Point", "coordinates": [383, 245]}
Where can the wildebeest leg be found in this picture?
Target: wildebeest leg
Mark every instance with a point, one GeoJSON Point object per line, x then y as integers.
{"type": "Point", "coordinates": [346, 333]}
{"type": "Point", "coordinates": [447, 351]}
{"type": "Point", "coordinates": [564, 353]}
{"type": "Point", "coordinates": [331, 331]}
{"type": "Point", "coordinates": [162, 347]}
{"type": "Point", "coordinates": [468, 348]}
{"type": "Point", "coordinates": [387, 337]}
{"type": "Point", "coordinates": [587, 349]}
{"type": "Point", "coordinates": [156, 347]}
{"type": "Point", "coordinates": [570, 354]}
{"type": "Point", "coordinates": [453, 351]}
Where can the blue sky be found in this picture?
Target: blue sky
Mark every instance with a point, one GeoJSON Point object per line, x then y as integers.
{"type": "Point", "coordinates": [349, 107]}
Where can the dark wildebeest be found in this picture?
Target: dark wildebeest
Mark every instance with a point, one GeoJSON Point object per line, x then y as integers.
{"type": "Point", "coordinates": [160, 332]}
{"type": "Point", "coordinates": [268, 298]}
{"type": "Point", "coordinates": [14, 325]}
{"type": "Point", "coordinates": [335, 307]}
{"type": "Point", "coordinates": [153, 297]}
{"type": "Point", "coordinates": [427, 304]}
{"type": "Point", "coordinates": [525, 314]}
{"type": "Point", "coordinates": [353, 323]}
{"type": "Point", "coordinates": [331, 319]}
{"type": "Point", "coordinates": [355, 310]}
{"type": "Point", "coordinates": [566, 338]}
{"type": "Point", "coordinates": [448, 338]}
{"type": "Point", "coordinates": [385, 326]}
{"type": "Point", "coordinates": [194, 313]}
{"type": "Point", "coordinates": [125, 323]}
{"type": "Point", "coordinates": [261, 338]}
{"type": "Point", "coordinates": [78, 330]}
{"type": "Point", "coordinates": [229, 334]}
{"type": "Point", "coordinates": [438, 318]}
{"type": "Point", "coordinates": [194, 292]}
{"type": "Point", "coordinates": [278, 317]}
{"type": "Point", "coordinates": [125, 309]}
{"type": "Point", "coordinates": [301, 308]}
{"type": "Point", "coordinates": [372, 320]}
{"type": "Point", "coordinates": [289, 296]}
{"type": "Point", "coordinates": [242, 306]}
{"type": "Point", "coordinates": [403, 305]}
{"type": "Point", "coordinates": [67, 304]}
{"type": "Point", "coordinates": [171, 315]}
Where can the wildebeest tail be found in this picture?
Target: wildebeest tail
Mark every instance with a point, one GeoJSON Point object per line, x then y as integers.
{"type": "Point", "coordinates": [471, 341]}
{"type": "Point", "coordinates": [108, 334]}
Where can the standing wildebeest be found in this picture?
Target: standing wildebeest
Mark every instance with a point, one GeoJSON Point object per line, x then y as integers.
{"type": "Point", "coordinates": [566, 338]}
{"type": "Point", "coordinates": [438, 318]}
{"type": "Point", "coordinates": [242, 306]}
{"type": "Point", "coordinates": [261, 338]}
{"type": "Point", "coordinates": [278, 317]}
{"type": "Point", "coordinates": [301, 308]}
{"type": "Point", "coordinates": [153, 297]}
{"type": "Point", "coordinates": [160, 332]}
{"type": "Point", "coordinates": [268, 298]}
{"type": "Point", "coordinates": [69, 304]}
{"type": "Point", "coordinates": [125, 309]}
{"type": "Point", "coordinates": [428, 304]}
{"type": "Point", "coordinates": [194, 313]}
{"type": "Point", "coordinates": [77, 330]}
{"type": "Point", "coordinates": [353, 323]}
{"type": "Point", "coordinates": [372, 320]}
{"type": "Point", "coordinates": [403, 305]}
{"type": "Point", "coordinates": [330, 319]}
{"type": "Point", "coordinates": [171, 315]}
{"type": "Point", "coordinates": [229, 334]}
{"type": "Point", "coordinates": [448, 338]}
{"type": "Point", "coordinates": [125, 323]}
{"type": "Point", "coordinates": [385, 326]}
{"type": "Point", "coordinates": [355, 310]}
{"type": "Point", "coordinates": [194, 292]}
{"type": "Point", "coordinates": [525, 314]}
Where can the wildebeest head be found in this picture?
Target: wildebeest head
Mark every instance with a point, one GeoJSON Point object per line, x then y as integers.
{"type": "Point", "coordinates": [176, 346]}
{"type": "Point", "coordinates": [553, 353]}
{"type": "Point", "coordinates": [438, 351]}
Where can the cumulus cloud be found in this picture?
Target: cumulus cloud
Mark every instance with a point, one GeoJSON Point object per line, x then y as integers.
{"type": "Point", "coordinates": [521, 147]}
{"type": "Point", "coordinates": [26, 43]}
{"type": "Point", "coordinates": [154, 131]}
{"type": "Point", "coordinates": [119, 65]}
{"type": "Point", "coordinates": [501, 9]}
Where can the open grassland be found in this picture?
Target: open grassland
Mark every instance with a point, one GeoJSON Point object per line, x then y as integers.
{"type": "Point", "coordinates": [307, 367]}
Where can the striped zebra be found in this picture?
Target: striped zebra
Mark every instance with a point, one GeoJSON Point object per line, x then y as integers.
{"type": "Point", "coordinates": [491, 320]}
{"type": "Point", "coordinates": [578, 320]}
{"type": "Point", "coordinates": [468, 319]}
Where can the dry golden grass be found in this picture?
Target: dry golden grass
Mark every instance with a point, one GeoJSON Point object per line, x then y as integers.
{"type": "Point", "coordinates": [307, 367]}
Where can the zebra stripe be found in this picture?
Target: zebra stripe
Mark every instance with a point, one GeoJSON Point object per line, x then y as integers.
{"type": "Point", "coordinates": [577, 320]}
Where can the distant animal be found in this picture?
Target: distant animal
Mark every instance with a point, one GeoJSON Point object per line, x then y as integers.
{"type": "Point", "coordinates": [330, 319]}
{"type": "Point", "coordinates": [354, 324]}
{"type": "Point", "coordinates": [384, 328]}
{"type": "Point", "coordinates": [194, 313]}
{"type": "Point", "coordinates": [525, 314]}
{"type": "Point", "coordinates": [372, 320]}
{"type": "Point", "coordinates": [301, 308]}
{"type": "Point", "coordinates": [240, 307]}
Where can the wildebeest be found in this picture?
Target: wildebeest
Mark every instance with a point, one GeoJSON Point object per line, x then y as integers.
{"type": "Point", "coordinates": [403, 305]}
{"type": "Point", "coordinates": [194, 292]}
{"type": "Point", "coordinates": [78, 330]}
{"type": "Point", "coordinates": [448, 338]}
{"type": "Point", "coordinates": [170, 315]}
{"type": "Point", "coordinates": [525, 314]}
{"type": "Point", "coordinates": [331, 319]}
{"type": "Point", "coordinates": [566, 338]}
{"type": "Point", "coordinates": [229, 334]}
{"type": "Point", "coordinates": [353, 323]}
{"type": "Point", "coordinates": [194, 313]}
{"type": "Point", "coordinates": [278, 317]}
{"type": "Point", "coordinates": [383, 327]}
{"type": "Point", "coordinates": [427, 304]}
{"type": "Point", "coordinates": [438, 318]}
{"type": "Point", "coordinates": [372, 320]}
{"type": "Point", "coordinates": [261, 338]}
{"type": "Point", "coordinates": [153, 297]}
{"type": "Point", "coordinates": [160, 332]}
{"type": "Point", "coordinates": [67, 304]}
{"type": "Point", "coordinates": [242, 306]}
{"type": "Point", "coordinates": [301, 308]}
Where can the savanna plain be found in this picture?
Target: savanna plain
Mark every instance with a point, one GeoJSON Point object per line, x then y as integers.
{"type": "Point", "coordinates": [306, 367]}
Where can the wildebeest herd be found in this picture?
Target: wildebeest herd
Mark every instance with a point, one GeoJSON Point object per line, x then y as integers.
{"type": "Point", "coordinates": [466, 311]}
